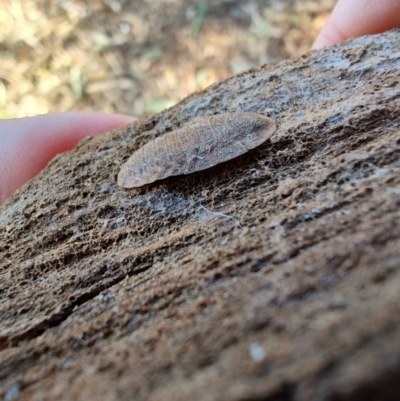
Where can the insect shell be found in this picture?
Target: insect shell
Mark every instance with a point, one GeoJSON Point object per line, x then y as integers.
{"type": "Point", "coordinates": [196, 146]}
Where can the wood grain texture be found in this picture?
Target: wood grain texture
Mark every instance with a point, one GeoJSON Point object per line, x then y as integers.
{"type": "Point", "coordinates": [197, 146]}
{"type": "Point", "coordinates": [115, 295]}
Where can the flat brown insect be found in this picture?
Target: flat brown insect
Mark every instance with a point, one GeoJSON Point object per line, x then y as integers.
{"type": "Point", "coordinates": [196, 146]}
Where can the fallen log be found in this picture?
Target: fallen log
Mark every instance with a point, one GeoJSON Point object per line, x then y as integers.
{"type": "Point", "coordinates": [274, 276]}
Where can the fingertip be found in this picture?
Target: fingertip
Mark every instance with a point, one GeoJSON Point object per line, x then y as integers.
{"type": "Point", "coordinates": [334, 30]}
{"type": "Point", "coordinates": [354, 18]}
{"type": "Point", "coordinates": [28, 144]}
{"type": "Point", "coordinates": [329, 36]}
{"type": "Point", "coordinates": [322, 42]}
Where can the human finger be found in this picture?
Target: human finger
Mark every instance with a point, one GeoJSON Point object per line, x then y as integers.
{"type": "Point", "coordinates": [28, 144]}
{"type": "Point", "coordinates": [353, 18]}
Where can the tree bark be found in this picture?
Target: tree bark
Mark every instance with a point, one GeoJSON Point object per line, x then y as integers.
{"type": "Point", "coordinates": [275, 276]}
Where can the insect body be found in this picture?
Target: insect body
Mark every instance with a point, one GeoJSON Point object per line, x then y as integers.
{"type": "Point", "coordinates": [196, 146]}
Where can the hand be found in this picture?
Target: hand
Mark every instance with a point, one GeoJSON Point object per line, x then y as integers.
{"type": "Point", "coordinates": [28, 144]}
{"type": "Point", "coordinates": [353, 18]}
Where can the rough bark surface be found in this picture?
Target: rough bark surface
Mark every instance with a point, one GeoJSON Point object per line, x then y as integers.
{"type": "Point", "coordinates": [275, 276]}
